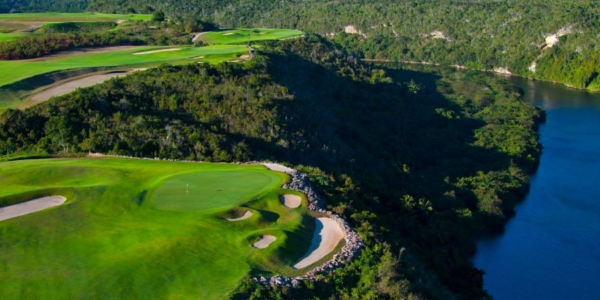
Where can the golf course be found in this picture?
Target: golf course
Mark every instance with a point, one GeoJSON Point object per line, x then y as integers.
{"type": "Point", "coordinates": [143, 229]}
{"type": "Point", "coordinates": [19, 86]}
{"type": "Point", "coordinates": [16, 70]}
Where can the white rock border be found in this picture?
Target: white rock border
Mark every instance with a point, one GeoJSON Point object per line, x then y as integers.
{"type": "Point", "coordinates": [299, 182]}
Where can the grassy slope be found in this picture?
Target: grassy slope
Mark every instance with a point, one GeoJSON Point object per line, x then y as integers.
{"type": "Point", "coordinates": [243, 35]}
{"type": "Point", "coordinates": [70, 17]}
{"type": "Point", "coordinates": [109, 240]}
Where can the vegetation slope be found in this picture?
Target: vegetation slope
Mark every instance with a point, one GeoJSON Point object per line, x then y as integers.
{"type": "Point", "coordinates": [482, 35]}
{"type": "Point", "coordinates": [420, 164]}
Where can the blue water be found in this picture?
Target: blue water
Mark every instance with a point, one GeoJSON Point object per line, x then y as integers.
{"type": "Point", "coordinates": [551, 248]}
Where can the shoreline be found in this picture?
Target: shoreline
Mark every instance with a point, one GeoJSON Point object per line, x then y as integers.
{"type": "Point", "coordinates": [460, 67]}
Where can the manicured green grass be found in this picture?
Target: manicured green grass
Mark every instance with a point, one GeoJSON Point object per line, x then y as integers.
{"type": "Point", "coordinates": [243, 35]}
{"type": "Point", "coordinates": [70, 17]}
{"type": "Point", "coordinates": [217, 189]}
{"type": "Point", "coordinates": [118, 236]}
{"type": "Point", "coordinates": [15, 70]}
{"type": "Point", "coordinates": [5, 37]}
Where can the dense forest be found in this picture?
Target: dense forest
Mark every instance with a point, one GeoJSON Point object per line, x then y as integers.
{"type": "Point", "coordinates": [421, 164]}
{"type": "Point", "coordinates": [544, 39]}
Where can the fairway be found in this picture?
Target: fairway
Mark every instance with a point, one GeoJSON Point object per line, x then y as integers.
{"type": "Point", "coordinates": [16, 70]}
{"type": "Point", "coordinates": [128, 229]}
{"type": "Point", "coordinates": [70, 17]}
{"type": "Point", "coordinates": [244, 35]}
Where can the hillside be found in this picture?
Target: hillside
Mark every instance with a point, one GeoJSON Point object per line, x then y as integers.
{"type": "Point", "coordinates": [553, 40]}
{"type": "Point", "coordinates": [420, 164]}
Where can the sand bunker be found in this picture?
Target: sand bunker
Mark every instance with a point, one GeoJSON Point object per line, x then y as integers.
{"type": "Point", "coordinates": [73, 85]}
{"type": "Point", "coordinates": [28, 207]}
{"type": "Point", "coordinates": [228, 33]}
{"type": "Point", "coordinates": [246, 215]}
{"type": "Point", "coordinates": [328, 234]}
{"type": "Point", "coordinates": [157, 51]}
{"type": "Point", "coordinates": [278, 167]}
{"type": "Point", "coordinates": [290, 201]}
{"type": "Point", "coordinates": [264, 242]}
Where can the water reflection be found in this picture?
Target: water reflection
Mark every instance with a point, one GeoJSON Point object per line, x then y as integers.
{"type": "Point", "coordinates": [552, 96]}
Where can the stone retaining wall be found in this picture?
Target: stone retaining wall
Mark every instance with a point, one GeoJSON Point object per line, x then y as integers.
{"type": "Point", "coordinates": [299, 182]}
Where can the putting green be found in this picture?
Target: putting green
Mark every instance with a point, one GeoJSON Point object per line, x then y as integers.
{"type": "Point", "coordinates": [110, 241]}
{"type": "Point", "coordinates": [244, 35]}
{"type": "Point", "coordinates": [212, 189]}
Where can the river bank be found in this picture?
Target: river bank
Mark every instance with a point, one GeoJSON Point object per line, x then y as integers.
{"type": "Point", "coordinates": [551, 248]}
{"type": "Point", "coordinates": [499, 70]}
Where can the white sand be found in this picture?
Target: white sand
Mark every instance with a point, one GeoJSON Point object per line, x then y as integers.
{"type": "Point", "coordinates": [73, 85]}
{"type": "Point", "coordinates": [278, 167]}
{"type": "Point", "coordinates": [228, 33]}
{"type": "Point", "coordinates": [290, 201]}
{"type": "Point", "coordinates": [326, 237]}
{"type": "Point", "coordinates": [246, 215]}
{"type": "Point", "coordinates": [264, 242]}
{"type": "Point", "coordinates": [156, 51]}
{"type": "Point", "coordinates": [28, 207]}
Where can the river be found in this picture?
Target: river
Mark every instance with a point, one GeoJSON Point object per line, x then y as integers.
{"type": "Point", "coordinates": [551, 248]}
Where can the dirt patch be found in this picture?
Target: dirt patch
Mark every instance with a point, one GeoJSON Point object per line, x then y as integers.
{"type": "Point", "coordinates": [73, 85]}
{"type": "Point", "coordinates": [290, 201]}
{"type": "Point", "coordinates": [31, 206]}
{"type": "Point", "coordinates": [264, 242]}
{"type": "Point", "coordinates": [157, 51]}
{"type": "Point", "coordinates": [246, 215]}
{"type": "Point", "coordinates": [327, 236]}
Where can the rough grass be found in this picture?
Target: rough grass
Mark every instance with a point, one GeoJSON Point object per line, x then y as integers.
{"type": "Point", "coordinates": [244, 35]}
{"type": "Point", "coordinates": [6, 27]}
{"type": "Point", "coordinates": [110, 241]}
